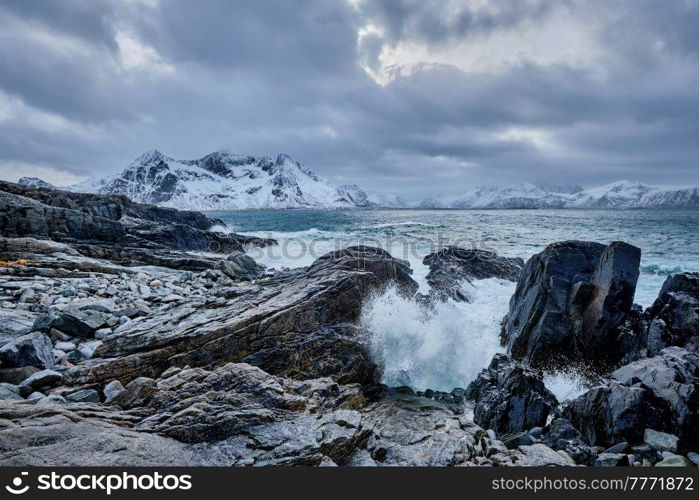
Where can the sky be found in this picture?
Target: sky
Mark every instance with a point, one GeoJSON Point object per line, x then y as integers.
{"type": "Point", "coordinates": [398, 96]}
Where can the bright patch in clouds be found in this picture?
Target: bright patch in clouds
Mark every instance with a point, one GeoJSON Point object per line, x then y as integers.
{"type": "Point", "coordinates": [13, 171]}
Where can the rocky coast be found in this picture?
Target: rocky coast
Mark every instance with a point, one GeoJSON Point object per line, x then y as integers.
{"type": "Point", "coordinates": [138, 335]}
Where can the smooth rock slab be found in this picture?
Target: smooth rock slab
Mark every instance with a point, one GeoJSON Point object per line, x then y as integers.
{"type": "Point", "coordinates": [661, 441]}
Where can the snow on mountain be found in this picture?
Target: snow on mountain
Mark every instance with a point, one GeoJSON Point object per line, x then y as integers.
{"type": "Point", "coordinates": [226, 181]}
{"type": "Point", "coordinates": [617, 195]}
{"type": "Point", "coordinates": [35, 182]}
{"type": "Point", "coordinates": [223, 180]}
{"type": "Point", "coordinates": [384, 200]}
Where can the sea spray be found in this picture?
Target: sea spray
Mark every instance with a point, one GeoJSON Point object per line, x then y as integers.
{"type": "Point", "coordinates": [569, 383]}
{"type": "Point", "coordinates": [439, 348]}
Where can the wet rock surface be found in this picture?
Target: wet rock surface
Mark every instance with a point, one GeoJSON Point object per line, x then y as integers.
{"type": "Point", "coordinates": [660, 393]}
{"type": "Point", "coordinates": [570, 302]}
{"type": "Point", "coordinates": [452, 266]}
{"type": "Point", "coordinates": [510, 398]}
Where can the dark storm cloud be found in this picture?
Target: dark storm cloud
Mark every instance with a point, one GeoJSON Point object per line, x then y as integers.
{"type": "Point", "coordinates": [87, 86]}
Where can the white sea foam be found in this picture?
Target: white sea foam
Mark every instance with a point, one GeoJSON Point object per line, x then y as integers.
{"type": "Point", "coordinates": [567, 384]}
{"type": "Point", "coordinates": [439, 349]}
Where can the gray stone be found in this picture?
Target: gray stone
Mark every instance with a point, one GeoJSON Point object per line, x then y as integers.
{"type": "Point", "coordinates": [64, 346]}
{"type": "Point", "coordinates": [674, 461]}
{"type": "Point", "coordinates": [52, 399]}
{"type": "Point", "coordinates": [238, 265]}
{"type": "Point", "coordinates": [661, 441]}
{"type": "Point", "coordinates": [6, 393]}
{"type": "Point", "coordinates": [111, 390]}
{"type": "Point", "coordinates": [539, 455]}
{"type": "Point", "coordinates": [512, 441]}
{"type": "Point", "coordinates": [102, 333]}
{"type": "Point", "coordinates": [611, 460]}
{"type": "Point", "coordinates": [617, 448]}
{"type": "Point", "coordinates": [673, 319]}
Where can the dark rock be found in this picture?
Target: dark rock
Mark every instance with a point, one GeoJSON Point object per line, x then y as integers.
{"type": "Point", "coordinates": [452, 266]}
{"type": "Point", "coordinates": [570, 302]}
{"type": "Point", "coordinates": [17, 375]}
{"type": "Point", "coordinates": [34, 349]}
{"type": "Point", "coordinates": [113, 227]}
{"type": "Point", "coordinates": [512, 441]}
{"type": "Point", "coordinates": [80, 323]}
{"type": "Point", "coordinates": [337, 351]}
{"type": "Point", "coordinates": [40, 380]}
{"type": "Point", "coordinates": [660, 393]}
{"type": "Point", "coordinates": [673, 319]}
{"type": "Point", "coordinates": [618, 448]}
{"type": "Point", "coordinates": [613, 288]}
{"type": "Point", "coordinates": [560, 435]}
{"type": "Point", "coordinates": [510, 398]}
{"type": "Point", "coordinates": [84, 396]}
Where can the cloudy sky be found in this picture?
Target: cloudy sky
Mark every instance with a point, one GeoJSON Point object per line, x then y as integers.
{"type": "Point", "coordinates": [403, 96]}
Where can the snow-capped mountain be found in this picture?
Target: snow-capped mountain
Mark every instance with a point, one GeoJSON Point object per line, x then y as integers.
{"type": "Point", "coordinates": [35, 182]}
{"type": "Point", "coordinates": [618, 195]}
{"type": "Point", "coordinates": [225, 181]}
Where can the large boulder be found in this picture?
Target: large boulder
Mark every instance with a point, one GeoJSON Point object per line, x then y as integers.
{"type": "Point", "coordinates": [287, 311]}
{"type": "Point", "coordinates": [452, 266]}
{"type": "Point", "coordinates": [76, 323]}
{"type": "Point", "coordinates": [33, 349]}
{"type": "Point", "coordinates": [613, 286]}
{"type": "Point", "coordinates": [673, 319]}
{"type": "Point", "coordinates": [509, 397]}
{"type": "Point", "coordinates": [569, 303]}
{"type": "Point", "coordinates": [336, 351]}
{"type": "Point", "coordinates": [660, 393]}
{"type": "Point", "coordinates": [238, 265]}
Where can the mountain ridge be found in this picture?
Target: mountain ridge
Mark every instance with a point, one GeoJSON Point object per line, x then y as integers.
{"type": "Point", "coordinates": [223, 181]}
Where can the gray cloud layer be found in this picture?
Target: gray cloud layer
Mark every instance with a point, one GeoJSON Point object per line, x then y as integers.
{"type": "Point", "coordinates": [405, 96]}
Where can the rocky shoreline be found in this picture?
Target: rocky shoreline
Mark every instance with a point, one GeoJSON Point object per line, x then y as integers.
{"type": "Point", "coordinates": [120, 346]}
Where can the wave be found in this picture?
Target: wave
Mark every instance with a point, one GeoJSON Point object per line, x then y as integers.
{"type": "Point", "coordinates": [400, 224]}
{"type": "Point", "coordinates": [436, 349]}
{"type": "Point", "coordinates": [660, 269]}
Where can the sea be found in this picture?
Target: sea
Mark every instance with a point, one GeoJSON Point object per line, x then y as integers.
{"type": "Point", "coordinates": [445, 348]}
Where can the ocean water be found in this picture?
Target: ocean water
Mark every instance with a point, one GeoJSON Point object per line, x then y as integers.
{"type": "Point", "coordinates": [447, 347]}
